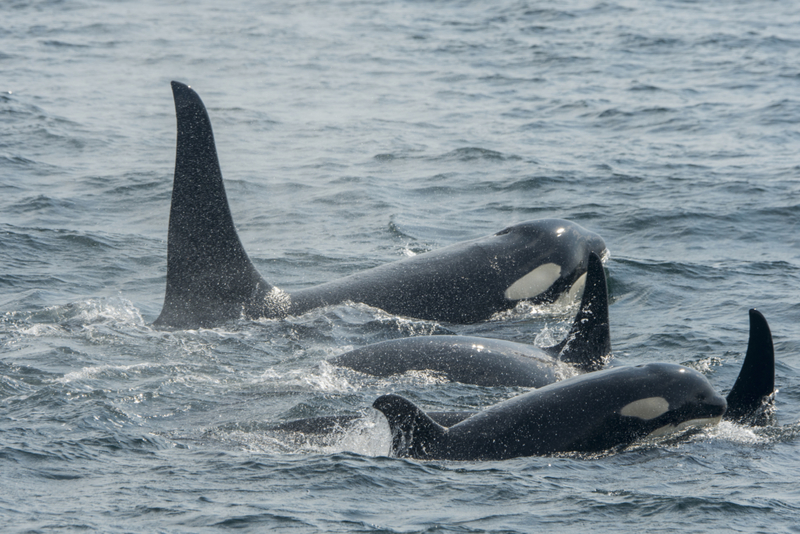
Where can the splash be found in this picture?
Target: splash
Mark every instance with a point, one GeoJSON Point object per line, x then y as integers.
{"type": "Point", "coordinates": [324, 378]}
{"type": "Point", "coordinates": [83, 314]}
{"type": "Point", "coordinates": [705, 365]}
{"type": "Point", "coordinates": [369, 436]}
{"type": "Point", "coordinates": [101, 371]}
{"type": "Point", "coordinates": [565, 305]}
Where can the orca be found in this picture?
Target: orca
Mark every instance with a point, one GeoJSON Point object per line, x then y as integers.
{"type": "Point", "coordinates": [495, 362]}
{"type": "Point", "coordinates": [211, 280]}
{"type": "Point", "coordinates": [750, 401]}
{"type": "Point", "coordinates": [588, 413]}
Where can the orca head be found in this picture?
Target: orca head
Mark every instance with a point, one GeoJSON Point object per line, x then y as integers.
{"type": "Point", "coordinates": [667, 398]}
{"type": "Point", "coordinates": [552, 258]}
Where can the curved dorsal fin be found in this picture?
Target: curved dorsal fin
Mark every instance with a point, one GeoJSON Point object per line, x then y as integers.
{"type": "Point", "coordinates": [412, 430]}
{"type": "Point", "coordinates": [756, 381]}
{"type": "Point", "coordinates": [588, 344]}
{"type": "Point", "coordinates": [210, 278]}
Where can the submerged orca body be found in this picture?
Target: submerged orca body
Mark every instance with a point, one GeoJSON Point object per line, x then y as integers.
{"type": "Point", "coordinates": [481, 361]}
{"type": "Point", "coordinates": [494, 362]}
{"type": "Point", "coordinates": [329, 424]}
{"type": "Point", "coordinates": [588, 413]}
{"type": "Point", "coordinates": [211, 280]}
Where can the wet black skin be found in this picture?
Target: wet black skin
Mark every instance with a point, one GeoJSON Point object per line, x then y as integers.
{"type": "Point", "coordinates": [580, 414]}
{"type": "Point", "coordinates": [495, 362]}
{"type": "Point", "coordinates": [211, 280]}
{"type": "Point", "coordinates": [584, 413]}
{"type": "Point", "coordinates": [750, 402]}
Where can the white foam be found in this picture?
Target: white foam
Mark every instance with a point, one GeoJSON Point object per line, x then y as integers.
{"type": "Point", "coordinates": [109, 310]}
{"type": "Point", "coordinates": [324, 378]}
{"type": "Point", "coordinates": [369, 436]}
{"type": "Point", "coordinates": [37, 330]}
{"type": "Point", "coordinates": [735, 433]}
{"type": "Point", "coordinates": [89, 373]}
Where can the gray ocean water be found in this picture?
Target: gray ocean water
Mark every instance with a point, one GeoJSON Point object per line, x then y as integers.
{"type": "Point", "coordinates": [356, 133]}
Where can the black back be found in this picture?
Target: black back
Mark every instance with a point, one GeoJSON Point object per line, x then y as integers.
{"type": "Point", "coordinates": [493, 362]}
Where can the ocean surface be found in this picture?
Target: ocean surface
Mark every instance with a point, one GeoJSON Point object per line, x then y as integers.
{"type": "Point", "coordinates": [352, 134]}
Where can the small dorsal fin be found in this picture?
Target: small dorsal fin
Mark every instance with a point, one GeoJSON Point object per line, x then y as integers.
{"type": "Point", "coordinates": [210, 278]}
{"type": "Point", "coordinates": [588, 344]}
{"type": "Point", "coordinates": [413, 432]}
{"type": "Point", "coordinates": [756, 381]}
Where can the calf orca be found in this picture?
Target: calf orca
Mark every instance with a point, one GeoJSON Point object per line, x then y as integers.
{"type": "Point", "coordinates": [588, 413]}
{"type": "Point", "coordinates": [211, 280]}
{"type": "Point", "coordinates": [494, 362]}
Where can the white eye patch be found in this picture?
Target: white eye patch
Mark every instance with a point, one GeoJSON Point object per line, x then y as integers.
{"type": "Point", "coordinates": [535, 282]}
{"type": "Point", "coordinates": [646, 409]}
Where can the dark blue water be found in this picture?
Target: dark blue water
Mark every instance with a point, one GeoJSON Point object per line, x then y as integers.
{"type": "Point", "coordinates": [356, 133]}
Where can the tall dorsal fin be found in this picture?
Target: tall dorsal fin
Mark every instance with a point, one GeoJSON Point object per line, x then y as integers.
{"type": "Point", "coordinates": [588, 344]}
{"type": "Point", "coordinates": [756, 381]}
{"type": "Point", "coordinates": [412, 429]}
{"type": "Point", "coordinates": [210, 278]}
